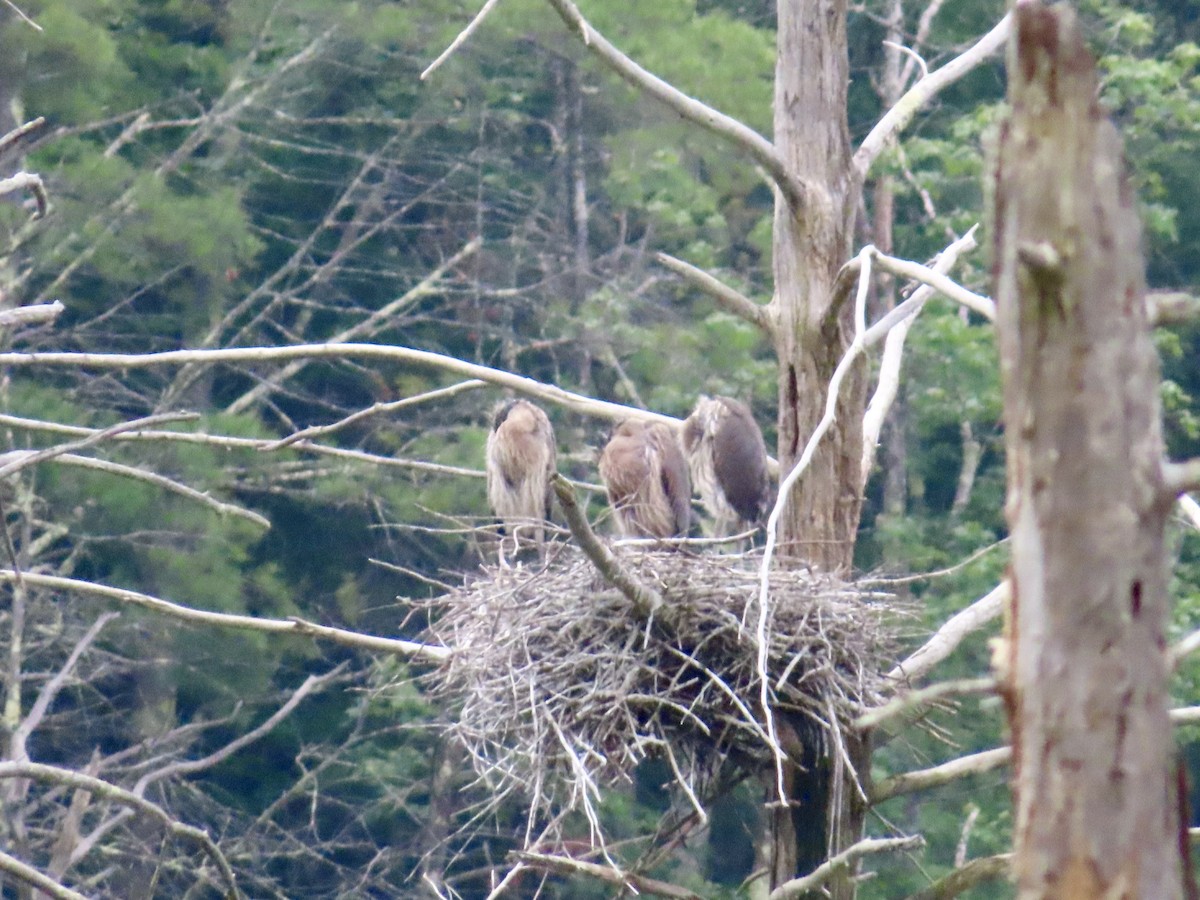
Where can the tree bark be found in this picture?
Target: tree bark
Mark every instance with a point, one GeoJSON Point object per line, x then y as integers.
{"type": "Point", "coordinates": [1084, 672]}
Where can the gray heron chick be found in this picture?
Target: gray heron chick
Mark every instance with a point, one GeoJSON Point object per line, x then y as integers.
{"type": "Point", "coordinates": [647, 480]}
{"type": "Point", "coordinates": [728, 461]}
{"type": "Point", "coordinates": [521, 458]}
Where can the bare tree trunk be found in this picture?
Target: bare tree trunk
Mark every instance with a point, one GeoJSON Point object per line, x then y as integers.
{"type": "Point", "coordinates": [810, 245]}
{"type": "Point", "coordinates": [1085, 675]}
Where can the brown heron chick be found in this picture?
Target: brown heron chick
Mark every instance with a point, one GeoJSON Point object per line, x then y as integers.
{"type": "Point", "coordinates": [728, 461]}
{"type": "Point", "coordinates": [647, 480]}
{"type": "Point", "coordinates": [521, 458]}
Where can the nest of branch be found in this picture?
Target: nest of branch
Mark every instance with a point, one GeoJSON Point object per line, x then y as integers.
{"type": "Point", "coordinates": [562, 686]}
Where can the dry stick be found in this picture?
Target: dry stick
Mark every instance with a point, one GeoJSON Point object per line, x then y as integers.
{"type": "Point", "coordinates": [759, 148]}
{"type": "Point", "coordinates": [637, 883]}
{"type": "Point", "coordinates": [922, 779]}
{"type": "Point", "coordinates": [646, 600]}
{"type": "Point", "coordinates": [899, 116]}
{"type": "Point", "coordinates": [976, 872]}
{"type": "Point", "coordinates": [35, 314]}
{"type": "Point", "coordinates": [10, 141]}
{"type": "Point", "coordinates": [915, 700]}
{"type": "Point", "coordinates": [26, 874]}
{"type": "Point", "coordinates": [529, 387]}
{"type": "Point", "coordinates": [368, 326]}
{"type": "Point", "coordinates": [108, 791]}
{"type": "Point", "coordinates": [461, 39]}
{"type": "Point", "coordinates": [27, 181]}
{"type": "Point", "coordinates": [729, 299]}
{"type": "Point", "coordinates": [410, 649]}
{"type": "Point", "coordinates": [952, 633]}
{"type": "Point", "coordinates": [799, 887]}
{"type": "Point", "coordinates": [374, 410]}
{"type": "Point", "coordinates": [893, 351]}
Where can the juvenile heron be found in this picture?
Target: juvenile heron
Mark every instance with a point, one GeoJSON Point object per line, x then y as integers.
{"type": "Point", "coordinates": [647, 480]}
{"type": "Point", "coordinates": [728, 462]}
{"type": "Point", "coordinates": [521, 458]}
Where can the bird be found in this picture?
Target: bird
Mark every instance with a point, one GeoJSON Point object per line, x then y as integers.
{"type": "Point", "coordinates": [646, 478]}
{"type": "Point", "coordinates": [727, 458]}
{"type": "Point", "coordinates": [521, 459]}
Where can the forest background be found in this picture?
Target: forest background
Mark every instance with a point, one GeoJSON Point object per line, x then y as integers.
{"type": "Point", "coordinates": [246, 173]}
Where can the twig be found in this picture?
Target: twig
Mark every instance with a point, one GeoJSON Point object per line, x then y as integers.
{"type": "Point", "coordinates": [884, 581]}
{"type": "Point", "coordinates": [26, 874]}
{"type": "Point", "coordinates": [914, 700]}
{"type": "Point", "coordinates": [899, 116]}
{"type": "Point", "coordinates": [922, 779]}
{"type": "Point", "coordinates": [34, 25]}
{"type": "Point", "coordinates": [798, 887]}
{"type": "Point", "coordinates": [729, 299]}
{"type": "Point", "coordinates": [951, 634]}
{"type": "Point", "coordinates": [761, 149]}
{"type": "Point", "coordinates": [409, 649]}
{"type": "Point", "coordinates": [643, 884]}
{"type": "Point", "coordinates": [646, 601]}
{"type": "Point", "coordinates": [976, 872]}
{"type": "Point", "coordinates": [461, 39]}
{"type": "Point", "coordinates": [108, 791]}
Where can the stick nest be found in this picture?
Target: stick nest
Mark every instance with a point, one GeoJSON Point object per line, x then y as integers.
{"type": "Point", "coordinates": [562, 687]}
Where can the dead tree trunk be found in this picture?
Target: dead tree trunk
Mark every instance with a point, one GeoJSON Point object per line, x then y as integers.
{"type": "Point", "coordinates": [1084, 672]}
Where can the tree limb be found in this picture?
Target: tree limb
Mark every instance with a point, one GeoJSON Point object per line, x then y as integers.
{"type": "Point", "coordinates": [730, 300]}
{"type": "Point", "coordinates": [951, 634]}
{"type": "Point", "coordinates": [646, 601]}
{"type": "Point", "coordinates": [914, 700]}
{"type": "Point", "coordinates": [34, 314]}
{"type": "Point", "coordinates": [640, 884]}
{"type": "Point", "coordinates": [1172, 307]}
{"type": "Point", "coordinates": [976, 872]}
{"type": "Point", "coordinates": [762, 150]}
{"type": "Point", "coordinates": [522, 385]}
{"type": "Point", "coordinates": [798, 887]}
{"type": "Point", "coordinates": [108, 791]}
{"type": "Point", "coordinates": [409, 649]}
{"type": "Point", "coordinates": [945, 286]}
{"type": "Point", "coordinates": [27, 181]}
{"type": "Point", "coordinates": [1180, 477]}
{"type": "Point", "coordinates": [922, 779]}
{"type": "Point", "coordinates": [899, 116]}
{"type": "Point", "coordinates": [26, 874]}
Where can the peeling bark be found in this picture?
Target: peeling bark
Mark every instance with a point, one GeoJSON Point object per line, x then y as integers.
{"type": "Point", "coordinates": [1084, 673]}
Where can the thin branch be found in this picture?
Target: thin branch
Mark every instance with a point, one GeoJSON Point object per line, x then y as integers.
{"type": "Point", "coordinates": [974, 873]}
{"type": "Point", "coordinates": [108, 791]}
{"type": "Point", "coordinates": [382, 352]}
{"type": "Point", "coordinates": [1180, 477]}
{"type": "Point", "coordinates": [899, 116]}
{"type": "Point", "coordinates": [915, 700]}
{"type": "Point", "coordinates": [799, 887]}
{"type": "Point", "coordinates": [372, 324]}
{"type": "Point", "coordinates": [761, 149]}
{"type": "Point", "coordinates": [26, 874]}
{"type": "Point", "coordinates": [893, 352]}
{"type": "Point", "coordinates": [375, 410]}
{"type": "Point", "coordinates": [952, 633]}
{"type": "Point", "coordinates": [945, 286]}
{"type": "Point", "coordinates": [460, 40]}
{"type": "Point", "coordinates": [646, 601]}
{"type": "Point", "coordinates": [27, 181]}
{"type": "Point", "coordinates": [639, 884]}
{"type": "Point", "coordinates": [409, 649]}
{"type": "Point", "coordinates": [729, 299]}
{"type": "Point", "coordinates": [28, 21]}
{"type": "Point", "coordinates": [12, 141]}
{"type": "Point", "coordinates": [923, 779]}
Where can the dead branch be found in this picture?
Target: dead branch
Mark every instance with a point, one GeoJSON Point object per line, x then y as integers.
{"type": "Point", "coordinates": [947, 287]}
{"type": "Point", "coordinates": [30, 315]}
{"type": "Point", "coordinates": [1172, 307]}
{"type": "Point", "coordinates": [974, 873]}
{"type": "Point", "coordinates": [1180, 477]}
{"type": "Point", "coordinates": [408, 649]}
{"type": "Point", "coordinates": [460, 40]}
{"type": "Point", "coordinates": [1190, 509]}
{"type": "Point", "coordinates": [799, 887]}
{"type": "Point", "coordinates": [108, 791]}
{"type": "Point", "coordinates": [731, 300]}
{"type": "Point", "coordinates": [935, 776]}
{"type": "Point", "coordinates": [646, 601]}
{"type": "Point", "coordinates": [913, 701]}
{"type": "Point", "coordinates": [26, 874]}
{"type": "Point", "coordinates": [527, 386]}
{"type": "Point", "coordinates": [27, 181]}
{"type": "Point", "coordinates": [760, 149]}
{"type": "Point", "coordinates": [22, 134]}
{"type": "Point", "coordinates": [899, 116]}
{"type": "Point", "coordinates": [638, 884]}
{"type": "Point", "coordinates": [951, 634]}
